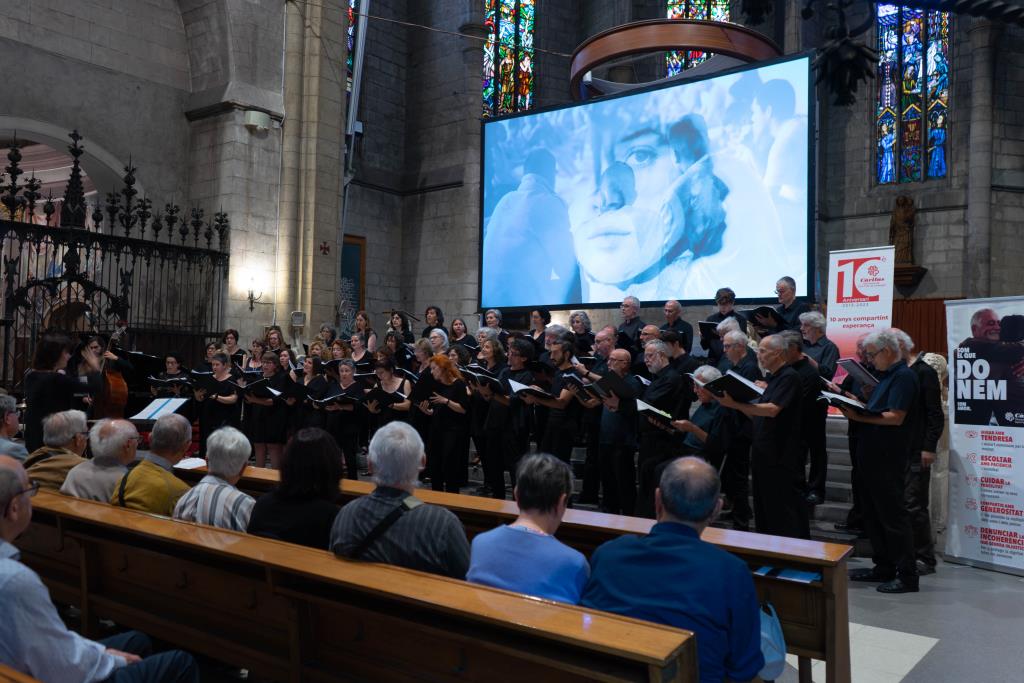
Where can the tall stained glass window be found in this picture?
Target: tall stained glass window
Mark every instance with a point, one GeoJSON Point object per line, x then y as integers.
{"type": "Point", "coordinates": [714, 10]}
{"type": "Point", "coordinates": [508, 56]}
{"type": "Point", "coordinates": [352, 4]}
{"type": "Point", "coordinates": [911, 125]}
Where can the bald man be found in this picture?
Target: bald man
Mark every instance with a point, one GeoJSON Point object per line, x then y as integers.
{"type": "Point", "coordinates": [617, 441]}
{"type": "Point", "coordinates": [674, 321]}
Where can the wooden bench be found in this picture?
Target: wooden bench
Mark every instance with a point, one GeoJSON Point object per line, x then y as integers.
{"type": "Point", "coordinates": [9, 675]}
{"type": "Point", "coordinates": [814, 616]}
{"type": "Point", "coordinates": [292, 613]}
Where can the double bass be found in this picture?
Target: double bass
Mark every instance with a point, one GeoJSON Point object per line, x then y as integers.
{"type": "Point", "coordinates": [113, 398]}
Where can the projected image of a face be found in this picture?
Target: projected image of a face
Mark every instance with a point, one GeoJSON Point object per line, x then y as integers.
{"type": "Point", "coordinates": [664, 194]}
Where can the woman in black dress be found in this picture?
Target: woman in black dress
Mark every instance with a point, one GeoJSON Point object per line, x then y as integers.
{"type": "Point", "coordinates": [275, 339]}
{"type": "Point", "coordinates": [449, 430]}
{"type": "Point", "coordinates": [364, 328]}
{"type": "Point", "coordinates": [316, 388]}
{"type": "Point", "coordinates": [49, 390]}
{"type": "Point", "coordinates": [220, 407]}
{"type": "Point", "coordinates": [344, 419]}
{"type": "Point", "coordinates": [489, 421]}
{"type": "Point", "coordinates": [583, 337]}
{"type": "Point", "coordinates": [540, 318]}
{"type": "Point", "coordinates": [230, 345]}
{"type": "Point", "coordinates": [268, 417]}
{"type": "Point", "coordinates": [459, 334]}
{"type": "Point", "coordinates": [360, 354]}
{"type": "Point", "coordinates": [400, 324]}
{"type": "Point", "coordinates": [434, 318]}
{"type": "Point", "coordinates": [173, 369]}
{"type": "Point", "coordinates": [254, 359]}
{"type": "Point", "coordinates": [492, 319]}
{"type": "Point", "coordinates": [398, 408]}
{"type": "Point", "coordinates": [303, 506]}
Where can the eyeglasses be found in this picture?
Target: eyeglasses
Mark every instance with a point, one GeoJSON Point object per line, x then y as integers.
{"type": "Point", "coordinates": [32, 490]}
{"type": "Point", "coordinates": [870, 355]}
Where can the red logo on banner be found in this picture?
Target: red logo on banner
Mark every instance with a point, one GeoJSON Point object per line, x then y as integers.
{"type": "Point", "coordinates": [971, 434]}
{"type": "Point", "coordinates": [973, 457]}
{"type": "Point", "coordinates": [851, 283]}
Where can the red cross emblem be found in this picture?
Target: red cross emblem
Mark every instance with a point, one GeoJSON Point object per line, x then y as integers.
{"type": "Point", "coordinates": [325, 248]}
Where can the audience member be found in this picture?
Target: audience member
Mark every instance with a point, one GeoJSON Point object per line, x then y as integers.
{"type": "Point", "coordinates": [391, 525]}
{"type": "Point", "coordinates": [525, 556]}
{"type": "Point", "coordinates": [34, 639]}
{"type": "Point", "coordinates": [215, 500]}
{"type": "Point", "coordinates": [9, 428]}
{"type": "Point", "coordinates": [670, 576]}
{"type": "Point", "coordinates": [113, 444]}
{"type": "Point", "coordinates": [65, 436]}
{"type": "Point", "coordinates": [151, 485]}
{"type": "Point", "coordinates": [303, 506]}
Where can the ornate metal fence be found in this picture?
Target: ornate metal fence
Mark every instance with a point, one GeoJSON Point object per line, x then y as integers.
{"type": "Point", "coordinates": [95, 267]}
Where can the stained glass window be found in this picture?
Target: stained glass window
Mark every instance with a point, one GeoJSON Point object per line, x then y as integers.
{"type": "Point", "coordinates": [911, 123]}
{"type": "Point", "coordinates": [714, 10]}
{"type": "Point", "coordinates": [508, 56]}
{"type": "Point", "coordinates": [351, 40]}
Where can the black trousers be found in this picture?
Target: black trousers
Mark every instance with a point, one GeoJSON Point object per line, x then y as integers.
{"type": "Point", "coordinates": [492, 458]}
{"type": "Point", "coordinates": [779, 507]}
{"type": "Point", "coordinates": [559, 438]}
{"type": "Point", "coordinates": [854, 518]}
{"type": "Point", "coordinates": [618, 478]}
{"type": "Point", "coordinates": [591, 466]}
{"type": "Point", "coordinates": [447, 458]}
{"type": "Point", "coordinates": [736, 480]}
{"type": "Point", "coordinates": [881, 472]}
{"type": "Point", "coordinates": [813, 426]}
{"type": "Point", "coordinates": [656, 447]}
{"type": "Point", "coordinates": [916, 494]}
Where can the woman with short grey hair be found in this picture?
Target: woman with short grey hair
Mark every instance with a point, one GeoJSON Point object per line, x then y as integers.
{"type": "Point", "coordinates": [583, 337]}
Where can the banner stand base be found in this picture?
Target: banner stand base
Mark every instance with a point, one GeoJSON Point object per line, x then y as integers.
{"type": "Point", "coordinates": [1002, 569]}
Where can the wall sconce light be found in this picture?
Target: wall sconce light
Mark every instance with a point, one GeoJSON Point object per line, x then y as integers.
{"type": "Point", "coordinates": [254, 299]}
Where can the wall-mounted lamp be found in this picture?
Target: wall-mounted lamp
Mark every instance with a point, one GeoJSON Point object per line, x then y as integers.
{"type": "Point", "coordinates": [254, 299]}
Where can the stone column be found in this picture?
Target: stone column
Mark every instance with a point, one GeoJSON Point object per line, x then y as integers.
{"type": "Point", "coordinates": [306, 272]}
{"type": "Point", "coordinates": [977, 276]}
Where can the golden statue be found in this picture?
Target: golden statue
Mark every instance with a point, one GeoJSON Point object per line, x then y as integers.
{"type": "Point", "coordinates": [901, 229]}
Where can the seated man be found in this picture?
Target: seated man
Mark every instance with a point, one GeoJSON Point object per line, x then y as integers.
{"type": "Point", "coordinates": [672, 577]}
{"type": "Point", "coordinates": [215, 500]}
{"type": "Point", "coordinates": [151, 485]}
{"type": "Point", "coordinates": [113, 444]}
{"type": "Point", "coordinates": [65, 436]}
{"type": "Point", "coordinates": [524, 556]}
{"type": "Point", "coordinates": [392, 526]}
{"type": "Point", "coordinates": [34, 640]}
{"type": "Point", "coordinates": [9, 425]}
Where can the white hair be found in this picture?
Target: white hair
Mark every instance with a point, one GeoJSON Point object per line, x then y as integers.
{"type": "Point", "coordinates": [227, 451]}
{"type": "Point", "coordinates": [707, 373]}
{"type": "Point", "coordinates": [108, 437]}
{"type": "Point", "coordinates": [60, 428]}
{"type": "Point", "coordinates": [633, 300]}
{"type": "Point", "coordinates": [883, 339]}
{"type": "Point", "coordinates": [736, 337]}
{"type": "Point", "coordinates": [170, 434]}
{"type": "Point", "coordinates": [444, 336]}
{"type": "Point", "coordinates": [730, 324]}
{"type": "Point", "coordinates": [904, 339]}
{"type": "Point", "coordinates": [396, 455]}
{"type": "Point", "coordinates": [814, 319]}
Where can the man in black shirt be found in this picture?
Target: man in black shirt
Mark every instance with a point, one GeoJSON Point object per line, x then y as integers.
{"type": "Point", "coordinates": [631, 325]}
{"type": "Point", "coordinates": [789, 308]}
{"type": "Point", "coordinates": [674, 322]}
{"type": "Point", "coordinates": [656, 443]}
{"type": "Point", "coordinates": [564, 409]}
{"type": "Point", "coordinates": [813, 412]}
{"type": "Point", "coordinates": [618, 439]}
{"type": "Point", "coordinates": [776, 453]}
{"type": "Point", "coordinates": [725, 299]}
{"type": "Point", "coordinates": [683, 363]}
{"type": "Point", "coordinates": [741, 359]}
{"type": "Point", "coordinates": [821, 353]}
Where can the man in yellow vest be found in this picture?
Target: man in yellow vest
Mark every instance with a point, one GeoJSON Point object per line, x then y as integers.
{"type": "Point", "coordinates": [151, 485]}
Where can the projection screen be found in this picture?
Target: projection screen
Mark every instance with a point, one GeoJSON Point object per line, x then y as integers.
{"type": "Point", "coordinates": [668, 193]}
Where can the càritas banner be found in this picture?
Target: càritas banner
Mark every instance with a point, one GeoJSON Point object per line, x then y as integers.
{"type": "Point", "coordinates": [986, 433]}
{"type": "Point", "coordinates": [860, 285]}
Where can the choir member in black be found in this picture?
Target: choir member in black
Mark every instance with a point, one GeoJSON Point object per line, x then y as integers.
{"type": "Point", "coordinates": [229, 342]}
{"type": "Point", "coordinates": [343, 418]}
{"type": "Point", "coordinates": [317, 350]}
{"type": "Point", "coordinates": [438, 339]}
{"type": "Point", "coordinates": [813, 411]}
{"type": "Point", "coordinates": [449, 429]}
{"type": "Point", "coordinates": [853, 388]}
{"type": "Point", "coordinates": [360, 354]}
{"type": "Point", "coordinates": [492, 319]}
{"type": "Point", "coordinates": [433, 317]}
{"type": "Point", "coordinates": [631, 324]}
{"type": "Point", "coordinates": [513, 416]}
{"type": "Point", "coordinates": [459, 334]}
{"type": "Point", "coordinates": [618, 440]}
{"type": "Point", "coordinates": [394, 348]}
{"type": "Point", "coordinates": [389, 383]}
{"type": "Point", "coordinates": [726, 362]}
{"type": "Point", "coordinates": [823, 355]}
{"type": "Point", "coordinates": [327, 333]}
{"type": "Point", "coordinates": [540, 318]}
{"type": "Point", "coordinates": [684, 363]}
{"type": "Point", "coordinates": [776, 453]}
{"type": "Point", "coordinates": [674, 322]}
{"type": "Point", "coordinates": [220, 407]}
{"type": "Point", "coordinates": [275, 339]}
{"type": "Point", "coordinates": [706, 431]}
{"type": "Point", "coordinates": [267, 418]}
{"type": "Point", "coordinates": [400, 324]}
{"type": "Point", "coordinates": [315, 384]}
{"type": "Point", "coordinates": [173, 369]}
{"type": "Point", "coordinates": [656, 444]}
{"type": "Point", "coordinates": [647, 333]}
{"type": "Point", "coordinates": [421, 355]}
{"type": "Point", "coordinates": [364, 328]}
{"type": "Point", "coordinates": [883, 451]}
{"type": "Point", "coordinates": [287, 360]}
{"type": "Point", "coordinates": [460, 355]}
{"type": "Point", "coordinates": [340, 349]}
{"type": "Point", "coordinates": [81, 364]}
{"type": "Point", "coordinates": [49, 390]}
{"type": "Point", "coordinates": [725, 299]}
{"type": "Point", "coordinates": [789, 308]}
{"type": "Point", "coordinates": [254, 360]}
{"type": "Point", "coordinates": [583, 337]}
{"type": "Point", "coordinates": [604, 343]}
{"type": "Point", "coordinates": [207, 364]}
{"type": "Point", "coordinates": [563, 410]}
{"type": "Point", "coordinates": [493, 423]}
{"type": "Point", "coordinates": [738, 357]}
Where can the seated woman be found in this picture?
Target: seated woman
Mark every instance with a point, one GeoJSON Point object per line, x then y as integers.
{"type": "Point", "coordinates": [525, 556]}
{"type": "Point", "coordinates": [303, 506]}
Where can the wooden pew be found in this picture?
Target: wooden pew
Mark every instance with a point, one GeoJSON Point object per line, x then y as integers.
{"type": "Point", "coordinates": [814, 616]}
{"type": "Point", "coordinates": [9, 675]}
{"type": "Point", "coordinates": [292, 613]}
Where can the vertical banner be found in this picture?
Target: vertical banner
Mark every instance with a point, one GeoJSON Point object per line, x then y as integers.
{"type": "Point", "coordinates": [986, 444]}
{"type": "Point", "coordinates": [860, 285]}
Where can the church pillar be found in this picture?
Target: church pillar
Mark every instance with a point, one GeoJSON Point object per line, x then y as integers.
{"type": "Point", "coordinates": [306, 272]}
{"type": "Point", "coordinates": [977, 279]}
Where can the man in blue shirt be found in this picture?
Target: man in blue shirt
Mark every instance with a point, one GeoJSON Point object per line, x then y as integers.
{"type": "Point", "coordinates": [34, 640]}
{"type": "Point", "coordinates": [525, 556]}
{"type": "Point", "coordinates": [672, 577]}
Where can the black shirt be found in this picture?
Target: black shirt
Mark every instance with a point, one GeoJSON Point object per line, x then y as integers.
{"type": "Point", "coordinates": [929, 418]}
{"type": "Point", "coordinates": [684, 329]}
{"type": "Point", "coordinates": [779, 436]}
{"type": "Point", "coordinates": [305, 522]}
{"type": "Point", "coordinates": [573, 408]}
{"type": "Point", "coordinates": [825, 354]}
{"type": "Point", "coordinates": [47, 393]}
{"type": "Point", "coordinates": [792, 314]}
{"type": "Point", "coordinates": [632, 330]}
{"type": "Point", "coordinates": [714, 346]}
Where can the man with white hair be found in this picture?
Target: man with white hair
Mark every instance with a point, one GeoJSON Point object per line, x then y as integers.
{"type": "Point", "coordinates": [822, 354]}
{"type": "Point", "coordinates": [657, 444]}
{"type": "Point", "coordinates": [391, 525]}
{"type": "Point", "coordinates": [34, 640]}
{"type": "Point", "coordinates": [738, 357]}
{"type": "Point", "coordinates": [9, 425]}
{"type": "Point", "coordinates": [151, 485]}
{"type": "Point", "coordinates": [65, 436]}
{"type": "Point", "coordinates": [631, 324]}
{"type": "Point", "coordinates": [113, 444]}
{"type": "Point", "coordinates": [215, 500]}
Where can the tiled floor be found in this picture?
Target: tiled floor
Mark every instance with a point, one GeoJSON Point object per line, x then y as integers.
{"type": "Point", "coordinates": [964, 625]}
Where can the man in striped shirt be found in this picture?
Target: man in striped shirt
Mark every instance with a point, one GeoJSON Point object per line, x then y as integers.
{"type": "Point", "coordinates": [215, 500]}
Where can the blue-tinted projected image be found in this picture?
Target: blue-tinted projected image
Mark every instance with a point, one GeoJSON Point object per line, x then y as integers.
{"type": "Point", "coordinates": [665, 194]}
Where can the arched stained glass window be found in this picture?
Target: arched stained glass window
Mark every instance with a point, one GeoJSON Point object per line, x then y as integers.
{"type": "Point", "coordinates": [911, 125]}
{"type": "Point", "coordinates": [508, 56]}
{"type": "Point", "coordinates": [715, 10]}
{"type": "Point", "coordinates": [350, 60]}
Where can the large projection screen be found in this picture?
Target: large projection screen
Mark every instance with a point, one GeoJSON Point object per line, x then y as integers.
{"type": "Point", "coordinates": [667, 193]}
